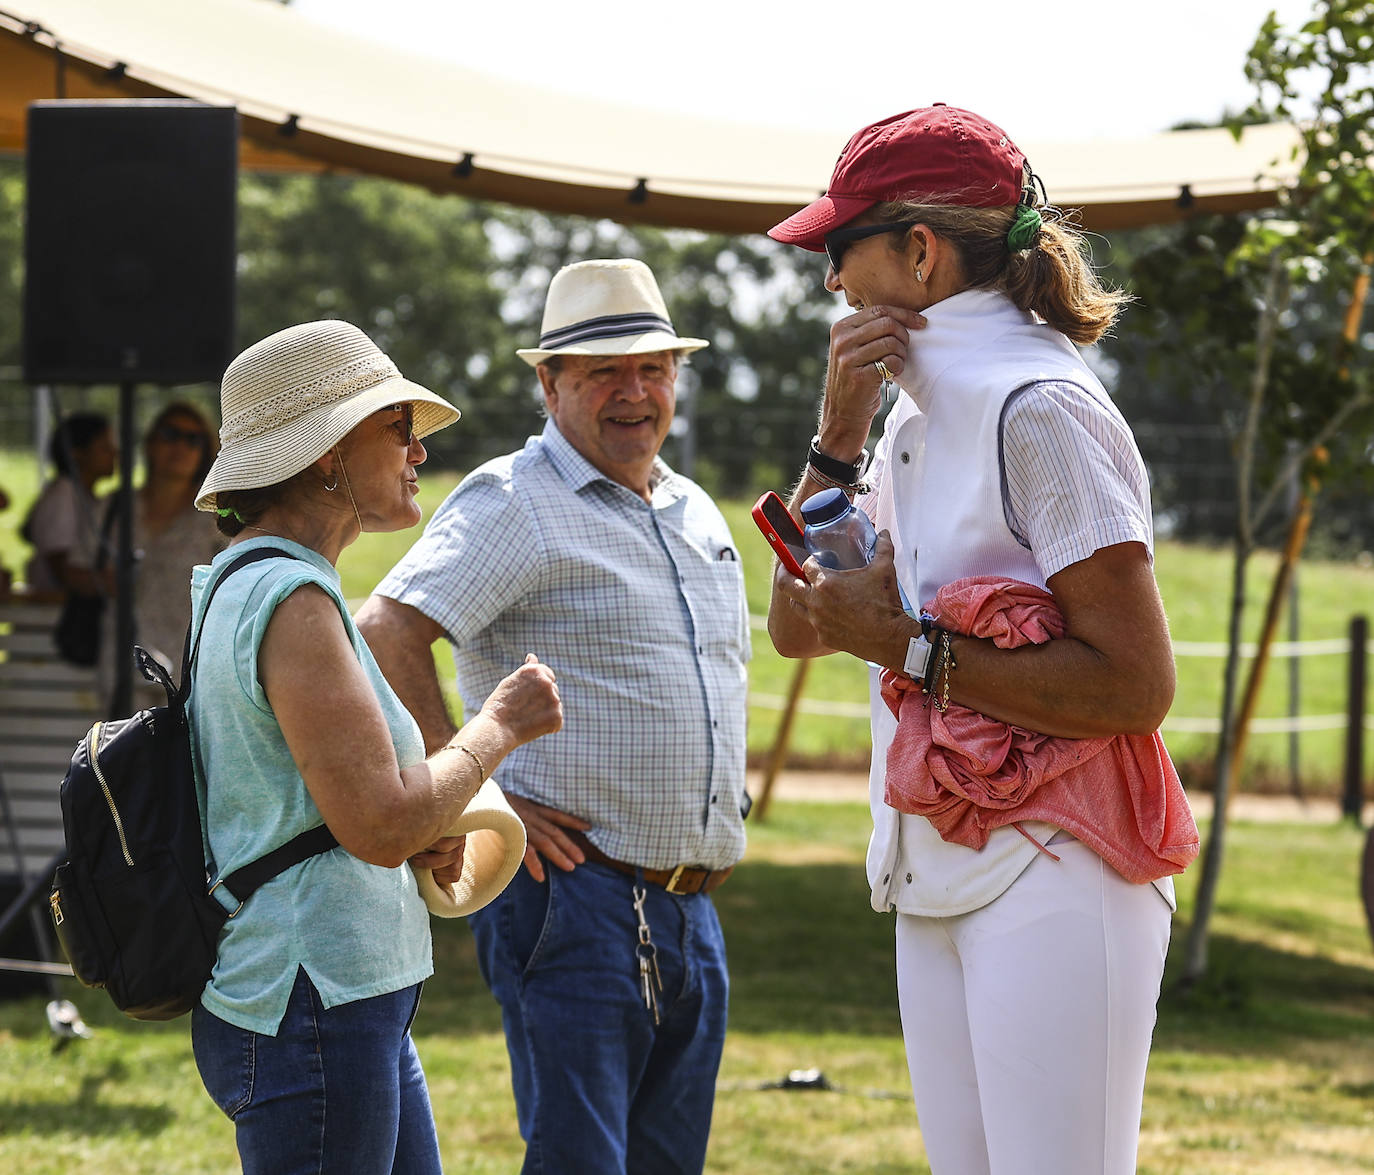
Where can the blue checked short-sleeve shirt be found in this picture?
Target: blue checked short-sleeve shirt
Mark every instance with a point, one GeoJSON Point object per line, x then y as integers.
{"type": "Point", "coordinates": [639, 608]}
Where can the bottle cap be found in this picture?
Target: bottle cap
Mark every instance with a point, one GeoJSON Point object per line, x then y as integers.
{"type": "Point", "coordinates": [824, 507]}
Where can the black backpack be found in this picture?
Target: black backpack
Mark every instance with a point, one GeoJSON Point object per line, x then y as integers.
{"type": "Point", "coordinates": [131, 905]}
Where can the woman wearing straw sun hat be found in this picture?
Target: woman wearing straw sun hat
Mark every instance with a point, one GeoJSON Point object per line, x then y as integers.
{"type": "Point", "coordinates": [318, 975]}
{"type": "Point", "coordinates": [1027, 967]}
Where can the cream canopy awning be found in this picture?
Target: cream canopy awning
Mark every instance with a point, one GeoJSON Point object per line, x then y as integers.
{"type": "Point", "coordinates": [311, 96]}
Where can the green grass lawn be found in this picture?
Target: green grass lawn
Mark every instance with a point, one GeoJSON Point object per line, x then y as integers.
{"type": "Point", "coordinates": [1195, 583]}
{"type": "Point", "coordinates": [1267, 1068]}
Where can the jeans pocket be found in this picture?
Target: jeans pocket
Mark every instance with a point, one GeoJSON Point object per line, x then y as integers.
{"type": "Point", "coordinates": [226, 1057]}
{"type": "Point", "coordinates": [530, 918]}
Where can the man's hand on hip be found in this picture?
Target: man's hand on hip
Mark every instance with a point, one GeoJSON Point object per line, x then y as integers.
{"type": "Point", "coordinates": [544, 827]}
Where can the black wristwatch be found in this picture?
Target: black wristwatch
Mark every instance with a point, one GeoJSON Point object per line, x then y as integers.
{"type": "Point", "coordinates": [848, 473]}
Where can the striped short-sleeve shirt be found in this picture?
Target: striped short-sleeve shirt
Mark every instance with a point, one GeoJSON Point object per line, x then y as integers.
{"type": "Point", "coordinates": [1073, 480]}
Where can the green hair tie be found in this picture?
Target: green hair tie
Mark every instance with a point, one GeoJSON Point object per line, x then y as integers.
{"type": "Point", "coordinates": [230, 512]}
{"type": "Point", "coordinates": [1024, 229]}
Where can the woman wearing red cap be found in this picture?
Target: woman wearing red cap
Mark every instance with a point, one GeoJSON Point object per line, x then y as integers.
{"type": "Point", "coordinates": [1028, 965]}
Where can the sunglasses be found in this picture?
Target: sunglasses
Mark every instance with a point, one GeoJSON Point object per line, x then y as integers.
{"type": "Point", "coordinates": [172, 435]}
{"type": "Point", "coordinates": [405, 427]}
{"type": "Point", "coordinates": [837, 243]}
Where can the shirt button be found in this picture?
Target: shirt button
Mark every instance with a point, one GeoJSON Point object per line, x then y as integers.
{"type": "Point", "coordinates": [906, 458]}
{"type": "Point", "coordinates": [886, 878]}
{"type": "Point", "coordinates": [908, 879]}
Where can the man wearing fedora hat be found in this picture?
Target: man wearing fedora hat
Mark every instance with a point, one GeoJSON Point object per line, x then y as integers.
{"type": "Point", "coordinates": [610, 966]}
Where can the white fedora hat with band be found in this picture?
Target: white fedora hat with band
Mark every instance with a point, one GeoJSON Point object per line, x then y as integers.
{"type": "Point", "coordinates": [288, 400]}
{"type": "Point", "coordinates": [606, 308]}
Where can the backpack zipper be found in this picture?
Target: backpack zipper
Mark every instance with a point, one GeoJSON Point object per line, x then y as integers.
{"type": "Point", "coordinates": [104, 787]}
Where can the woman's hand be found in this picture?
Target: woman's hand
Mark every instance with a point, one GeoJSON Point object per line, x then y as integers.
{"type": "Point", "coordinates": [444, 857]}
{"type": "Point", "coordinates": [526, 703]}
{"type": "Point", "coordinates": [858, 611]}
{"type": "Point", "coordinates": [853, 383]}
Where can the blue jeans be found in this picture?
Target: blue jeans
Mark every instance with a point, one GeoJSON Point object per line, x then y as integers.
{"type": "Point", "coordinates": [336, 1090]}
{"type": "Point", "coordinates": [598, 1086]}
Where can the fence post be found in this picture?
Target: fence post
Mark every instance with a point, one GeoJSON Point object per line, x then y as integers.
{"type": "Point", "coordinates": [1352, 794]}
{"type": "Point", "coordinates": [779, 753]}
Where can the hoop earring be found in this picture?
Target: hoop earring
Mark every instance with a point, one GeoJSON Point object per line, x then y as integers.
{"type": "Point", "coordinates": [330, 487]}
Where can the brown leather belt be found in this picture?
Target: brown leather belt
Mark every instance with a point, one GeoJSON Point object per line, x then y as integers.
{"type": "Point", "coordinates": [685, 879]}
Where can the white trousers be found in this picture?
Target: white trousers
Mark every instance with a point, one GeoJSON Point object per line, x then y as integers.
{"type": "Point", "coordinates": [1028, 1021]}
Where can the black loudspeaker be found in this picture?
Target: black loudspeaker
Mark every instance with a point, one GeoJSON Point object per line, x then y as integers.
{"type": "Point", "coordinates": [129, 243]}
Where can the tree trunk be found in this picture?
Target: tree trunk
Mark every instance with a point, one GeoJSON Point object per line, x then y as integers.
{"type": "Point", "coordinates": [1278, 593]}
{"type": "Point", "coordinates": [1195, 950]}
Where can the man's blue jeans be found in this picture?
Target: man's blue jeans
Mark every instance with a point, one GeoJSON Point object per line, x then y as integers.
{"type": "Point", "coordinates": [336, 1090]}
{"type": "Point", "coordinates": [598, 1086]}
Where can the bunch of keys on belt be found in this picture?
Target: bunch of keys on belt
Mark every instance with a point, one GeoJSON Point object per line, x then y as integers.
{"type": "Point", "coordinates": [650, 982]}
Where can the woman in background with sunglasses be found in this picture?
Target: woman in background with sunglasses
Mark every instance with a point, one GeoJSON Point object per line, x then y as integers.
{"type": "Point", "coordinates": [1028, 966]}
{"type": "Point", "coordinates": [170, 537]}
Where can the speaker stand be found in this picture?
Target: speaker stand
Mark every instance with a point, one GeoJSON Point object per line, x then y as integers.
{"type": "Point", "coordinates": [121, 698]}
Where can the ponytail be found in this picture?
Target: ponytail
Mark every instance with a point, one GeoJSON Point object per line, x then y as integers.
{"type": "Point", "coordinates": [1052, 276]}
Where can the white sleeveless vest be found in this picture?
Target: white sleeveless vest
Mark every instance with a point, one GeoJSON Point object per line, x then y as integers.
{"type": "Point", "coordinates": [939, 493]}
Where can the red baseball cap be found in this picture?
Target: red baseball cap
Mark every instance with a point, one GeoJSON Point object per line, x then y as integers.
{"type": "Point", "coordinates": [932, 150]}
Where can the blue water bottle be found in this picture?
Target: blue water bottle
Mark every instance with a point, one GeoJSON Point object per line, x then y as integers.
{"type": "Point", "coordinates": [837, 533]}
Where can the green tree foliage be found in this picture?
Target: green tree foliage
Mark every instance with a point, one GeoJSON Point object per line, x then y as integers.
{"type": "Point", "coordinates": [1309, 383]}
{"type": "Point", "coordinates": [1182, 359]}
{"type": "Point", "coordinates": [412, 269]}
{"type": "Point", "coordinates": [451, 288]}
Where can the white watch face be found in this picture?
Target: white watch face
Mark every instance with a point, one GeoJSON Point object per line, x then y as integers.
{"type": "Point", "coordinates": [917, 657]}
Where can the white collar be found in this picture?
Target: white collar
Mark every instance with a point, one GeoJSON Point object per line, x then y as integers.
{"type": "Point", "coordinates": [955, 327]}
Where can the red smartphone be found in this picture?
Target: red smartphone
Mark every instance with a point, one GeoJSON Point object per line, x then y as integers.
{"type": "Point", "coordinates": [781, 531]}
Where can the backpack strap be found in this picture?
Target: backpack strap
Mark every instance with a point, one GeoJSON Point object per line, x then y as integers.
{"type": "Point", "coordinates": [242, 883]}
{"type": "Point", "coordinates": [189, 651]}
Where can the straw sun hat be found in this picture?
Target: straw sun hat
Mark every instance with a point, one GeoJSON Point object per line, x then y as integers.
{"type": "Point", "coordinates": [606, 308]}
{"type": "Point", "coordinates": [287, 400]}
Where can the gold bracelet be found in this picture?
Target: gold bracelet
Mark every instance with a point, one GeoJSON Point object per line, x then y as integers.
{"type": "Point", "coordinates": [949, 665]}
{"type": "Point", "coordinates": [471, 754]}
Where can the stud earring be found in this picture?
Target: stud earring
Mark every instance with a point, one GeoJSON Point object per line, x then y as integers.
{"type": "Point", "coordinates": [920, 277]}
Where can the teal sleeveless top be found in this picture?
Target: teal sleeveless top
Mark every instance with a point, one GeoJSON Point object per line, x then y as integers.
{"type": "Point", "coordinates": [359, 930]}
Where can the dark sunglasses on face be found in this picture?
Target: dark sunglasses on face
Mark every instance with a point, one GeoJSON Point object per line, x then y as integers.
{"type": "Point", "coordinates": [180, 436]}
{"type": "Point", "coordinates": [837, 243]}
{"type": "Point", "coordinates": [405, 427]}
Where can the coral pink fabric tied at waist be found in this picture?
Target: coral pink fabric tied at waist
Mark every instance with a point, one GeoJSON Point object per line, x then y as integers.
{"type": "Point", "coordinates": [969, 774]}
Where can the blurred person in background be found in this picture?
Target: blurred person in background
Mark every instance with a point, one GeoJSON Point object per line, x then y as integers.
{"type": "Point", "coordinates": [65, 517]}
{"type": "Point", "coordinates": [170, 537]}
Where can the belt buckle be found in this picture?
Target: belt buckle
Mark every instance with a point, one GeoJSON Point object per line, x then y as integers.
{"type": "Point", "coordinates": [671, 885]}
